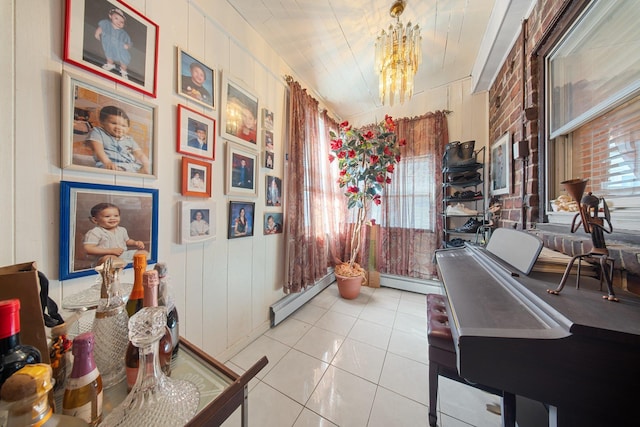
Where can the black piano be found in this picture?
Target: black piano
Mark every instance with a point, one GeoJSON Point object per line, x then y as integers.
{"type": "Point", "coordinates": [576, 352]}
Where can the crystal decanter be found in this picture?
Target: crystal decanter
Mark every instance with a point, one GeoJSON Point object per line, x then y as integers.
{"type": "Point", "coordinates": [110, 325]}
{"type": "Point", "coordinates": [155, 398]}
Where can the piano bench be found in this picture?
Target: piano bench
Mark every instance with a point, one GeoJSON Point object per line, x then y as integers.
{"type": "Point", "coordinates": [442, 360]}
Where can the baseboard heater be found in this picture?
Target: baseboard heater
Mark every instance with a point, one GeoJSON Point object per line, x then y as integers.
{"type": "Point", "coordinates": [290, 303]}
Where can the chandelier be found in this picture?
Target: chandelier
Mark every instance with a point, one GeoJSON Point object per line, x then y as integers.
{"type": "Point", "coordinates": [398, 54]}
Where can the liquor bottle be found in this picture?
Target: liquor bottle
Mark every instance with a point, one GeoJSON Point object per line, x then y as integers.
{"type": "Point", "coordinates": [150, 283]}
{"type": "Point", "coordinates": [13, 355]}
{"type": "Point", "coordinates": [110, 325]}
{"type": "Point", "coordinates": [165, 298]}
{"type": "Point", "coordinates": [137, 292]}
{"type": "Point", "coordinates": [155, 399]}
{"type": "Point", "coordinates": [26, 400]}
{"type": "Point", "coordinates": [83, 392]}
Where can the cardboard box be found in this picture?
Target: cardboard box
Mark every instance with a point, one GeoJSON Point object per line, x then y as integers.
{"type": "Point", "coordinates": [21, 281]}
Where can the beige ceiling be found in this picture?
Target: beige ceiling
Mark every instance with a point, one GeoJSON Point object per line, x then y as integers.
{"type": "Point", "coordinates": [329, 44]}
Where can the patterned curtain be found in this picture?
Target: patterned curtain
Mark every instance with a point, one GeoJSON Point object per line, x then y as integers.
{"type": "Point", "coordinates": [313, 229]}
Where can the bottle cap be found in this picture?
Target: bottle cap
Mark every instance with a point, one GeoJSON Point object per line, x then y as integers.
{"type": "Point", "coordinates": [161, 268]}
{"type": "Point", "coordinates": [139, 259]}
{"type": "Point", "coordinates": [10, 315]}
{"type": "Point", "coordinates": [150, 278]}
{"type": "Point", "coordinates": [83, 343]}
{"type": "Point", "coordinates": [30, 380]}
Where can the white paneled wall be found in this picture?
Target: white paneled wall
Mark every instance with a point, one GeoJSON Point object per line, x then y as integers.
{"type": "Point", "coordinates": [223, 287]}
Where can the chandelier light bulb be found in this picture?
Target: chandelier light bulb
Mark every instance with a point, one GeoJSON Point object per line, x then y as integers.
{"type": "Point", "coordinates": [398, 54]}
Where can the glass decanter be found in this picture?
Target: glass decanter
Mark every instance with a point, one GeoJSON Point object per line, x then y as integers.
{"type": "Point", "coordinates": [155, 398]}
{"type": "Point", "coordinates": [110, 325]}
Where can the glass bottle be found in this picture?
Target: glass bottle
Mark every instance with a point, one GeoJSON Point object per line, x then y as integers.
{"type": "Point", "coordinates": [137, 293]}
{"type": "Point", "coordinates": [155, 398]}
{"type": "Point", "coordinates": [83, 392]}
{"type": "Point", "coordinates": [110, 325]}
{"type": "Point", "coordinates": [13, 355]}
{"type": "Point", "coordinates": [24, 407]}
{"type": "Point", "coordinates": [150, 283]}
{"type": "Point", "coordinates": [165, 298]}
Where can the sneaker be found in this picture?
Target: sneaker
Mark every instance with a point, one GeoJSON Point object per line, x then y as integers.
{"type": "Point", "coordinates": [108, 67]}
{"type": "Point", "coordinates": [460, 209]}
{"type": "Point", "coordinates": [470, 226]}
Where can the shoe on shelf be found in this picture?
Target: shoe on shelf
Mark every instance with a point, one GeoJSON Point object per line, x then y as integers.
{"type": "Point", "coordinates": [108, 67]}
{"type": "Point", "coordinates": [460, 209]}
{"type": "Point", "coordinates": [471, 226]}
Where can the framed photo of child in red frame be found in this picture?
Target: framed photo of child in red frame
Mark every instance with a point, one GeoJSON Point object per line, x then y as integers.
{"type": "Point", "coordinates": [107, 132]}
{"type": "Point", "coordinates": [81, 210]}
{"type": "Point", "coordinates": [196, 133]}
{"type": "Point", "coordinates": [111, 39]}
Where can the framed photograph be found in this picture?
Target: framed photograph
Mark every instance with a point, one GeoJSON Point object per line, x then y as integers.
{"type": "Point", "coordinates": [241, 174]}
{"type": "Point", "coordinates": [196, 133]}
{"type": "Point", "coordinates": [113, 40]}
{"type": "Point", "coordinates": [272, 223]}
{"type": "Point", "coordinates": [196, 81]}
{"type": "Point", "coordinates": [198, 221]}
{"type": "Point", "coordinates": [269, 159]}
{"type": "Point", "coordinates": [241, 218]}
{"type": "Point", "coordinates": [107, 132]}
{"type": "Point", "coordinates": [267, 119]}
{"type": "Point", "coordinates": [239, 114]}
{"type": "Point", "coordinates": [501, 165]}
{"type": "Point", "coordinates": [196, 178]}
{"type": "Point", "coordinates": [268, 140]}
{"type": "Point", "coordinates": [87, 225]}
{"type": "Point", "coordinates": [273, 191]}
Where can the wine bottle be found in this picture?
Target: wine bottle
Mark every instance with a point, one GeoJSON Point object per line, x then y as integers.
{"type": "Point", "coordinates": [13, 355]}
{"type": "Point", "coordinates": [150, 282]}
{"type": "Point", "coordinates": [137, 292]}
{"type": "Point", "coordinates": [83, 392]}
{"type": "Point", "coordinates": [165, 298]}
{"type": "Point", "coordinates": [26, 400]}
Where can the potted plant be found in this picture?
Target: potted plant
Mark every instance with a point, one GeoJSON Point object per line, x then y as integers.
{"type": "Point", "coordinates": [366, 160]}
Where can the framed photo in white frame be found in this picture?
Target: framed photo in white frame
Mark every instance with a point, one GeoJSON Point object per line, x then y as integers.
{"type": "Point", "coordinates": [500, 157]}
{"type": "Point", "coordinates": [196, 80]}
{"type": "Point", "coordinates": [197, 221]}
{"type": "Point", "coordinates": [241, 171]}
{"type": "Point", "coordinates": [239, 114]}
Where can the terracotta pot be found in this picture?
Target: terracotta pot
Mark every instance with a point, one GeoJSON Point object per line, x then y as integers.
{"type": "Point", "coordinates": [349, 287]}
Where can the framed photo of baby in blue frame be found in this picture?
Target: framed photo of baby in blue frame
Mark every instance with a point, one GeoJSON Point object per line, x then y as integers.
{"type": "Point", "coordinates": [113, 40]}
{"type": "Point", "coordinates": [98, 221]}
{"type": "Point", "coordinates": [107, 132]}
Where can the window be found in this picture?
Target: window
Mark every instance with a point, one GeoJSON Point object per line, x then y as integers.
{"type": "Point", "coordinates": [594, 104]}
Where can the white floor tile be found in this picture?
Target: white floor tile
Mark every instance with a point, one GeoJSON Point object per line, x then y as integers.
{"type": "Point", "coordinates": [310, 419]}
{"type": "Point", "coordinates": [320, 344]}
{"type": "Point", "coordinates": [360, 359]}
{"type": "Point", "coordinates": [409, 345]}
{"type": "Point", "coordinates": [351, 307]}
{"type": "Point", "coordinates": [263, 346]}
{"type": "Point", "coordinates": [466, 403]}
{"type": "Point", "coordinates": [391, 409]}
{"type": "Point", "coordinates": [371, 333]}
{"type": "Point", "coordinates": [336, 322]}
{"type": "Point", "coordinates": [296, 375]}
{"type": "Point", "coordinates": [270, 408]}
{"type": "Point", "coordinates": [309, 313]}
{"type": "Point", "coordinates": [413, 307]}
{"type": "Point", "coordinates": [383, 301]}
{"type": "Point", "coordinates": [411, 323]}
{"type": "Point", "coordinates": [325, 299]}
{"type": "Point", "coordinates": [379, 315]}
{"type": "Point", "coordinates": [406, 377]}
{"type": "Point", "coordinates": [289, 331]}
{"type": "Point", "coordinates": [343, 398]}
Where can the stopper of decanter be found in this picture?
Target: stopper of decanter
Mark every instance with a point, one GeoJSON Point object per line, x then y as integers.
{"type": "Point", "coordinates": [147, 325]}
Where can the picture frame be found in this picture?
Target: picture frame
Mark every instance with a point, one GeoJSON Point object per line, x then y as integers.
{"type": "Point", "coordinates": [239, 114]}
{"type": "Point", "coordinates": [196, 133]}
{"type": "Point", "coordinates": [134, 66]}
{"type": "Point", "coordinates": [273, 191]}
{"type": "Point", "coordinates": [197, 221]}
{"type": "Point", "coordinates": [138, 209]}
{"type": "Point", "coordinates": [500, 171]}
{"type": "Point", "coordinates": [195, 80]}
{"type": "Point", "coordinates": [267, 119]}
{"type": "Point", "coordinates": [272, 223]}
{"type": "Point", "coordinates": [241, 171]}
{"type": "Point", "coordinates": [235, 229]}
{"type": "Point", "coordinates": [83, 105]}
{"type": "Point", "coordinates": [196, 177]}
{"type": "Point", "coordinates": [269, 159]}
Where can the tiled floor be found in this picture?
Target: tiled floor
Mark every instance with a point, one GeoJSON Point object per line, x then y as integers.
{"type": "Point", "coordinates": [359, 362]}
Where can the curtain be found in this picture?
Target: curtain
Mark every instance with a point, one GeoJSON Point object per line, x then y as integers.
{"type": "Point", "coordinates": [313, 229]}
{"type": "Point", "coordinates": [411, 227]}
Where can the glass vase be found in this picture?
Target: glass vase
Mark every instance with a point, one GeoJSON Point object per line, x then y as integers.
{"type": "Point", "coordinates": [155, 399]}
{"type": "Point", "coordinates": [110, 325]}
